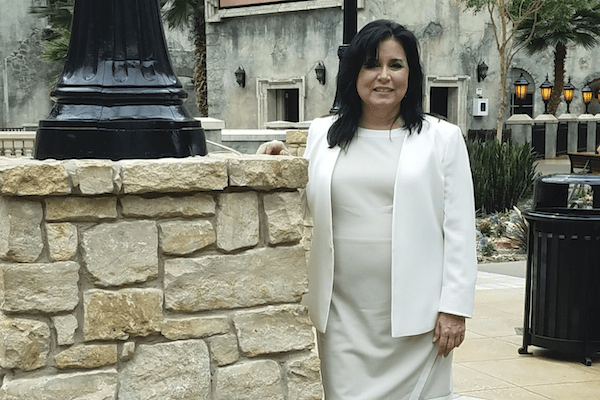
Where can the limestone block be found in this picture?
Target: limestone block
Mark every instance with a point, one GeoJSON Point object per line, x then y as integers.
{"type": "Point", "coordinates": [121, 253]}
{"type": "Point", "coordinates": [194, 327]}
{"type": "Point", "coordinates": [24, 343]}
{"type": "Point", "coordinates": [118, 315]}
{"type": "Point", "coordinates": [92, 385]}
{"type": "Point", "coordinates": [46, 288]}
{"type": "Point", "coordinates": [237, 221]}
{"type": "Point", "coordinates": [62, 240]}
{"type": "Point", "coordinates": [89, 356]}
{"type": "Point", "coordinates": [80, 208]}
{"type": "Point", "coordinates": [179, 175]}
{"type": "Point", "coordinates": [20, 232]}
{"type": "Point", "coordinates": [284, 217]}
{"type": "Point", "coordinates": [223, 349]}
{"type": "Point", "coordinates": [197, 205]}
{"type": "Point", "coordinates": [185, 237]}
{"type": "Point", "coordinates": [274, 329]}
{"type": "Point", "coordinates": [255, 277]}
{"type": "Point", "coordinates": [304, 377]}
{"type": "Point", "coordinates": [127, 351]}
{"type": "Point", "coordinates": [266, 172]}
{"type": "Point", "coordinates": [296, 137]}
{"type": "Point", "coordinates": [250, 381]}
{"type": "Point", "coordinates": [176, 370]}
{"type": "Point", "coordinates": [36, 178]}
{"type": "Point", "coordinates": [65, 326]}
{"type": "Point", "coordinates": [94, 177]}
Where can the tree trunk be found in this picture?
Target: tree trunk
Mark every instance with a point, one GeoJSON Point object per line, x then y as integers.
{"type": "Point", "coordinates": [200, 65]}
{"type": "Point", "coordinates": [559, 78]}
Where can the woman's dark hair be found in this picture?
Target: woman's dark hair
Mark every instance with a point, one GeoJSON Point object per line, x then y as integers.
{"type": "Point", "coordinates": [364, 46]}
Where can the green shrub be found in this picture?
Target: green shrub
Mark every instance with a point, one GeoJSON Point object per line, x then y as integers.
{"type": "Point", "coordinates": [503, 174]}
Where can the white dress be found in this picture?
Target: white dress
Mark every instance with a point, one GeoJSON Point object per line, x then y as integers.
{"type": "Point", "coordinates": [360, 358]}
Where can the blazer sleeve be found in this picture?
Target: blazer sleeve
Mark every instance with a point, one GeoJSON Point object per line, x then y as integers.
{"type": "Point", "coordinates": [460, 255]}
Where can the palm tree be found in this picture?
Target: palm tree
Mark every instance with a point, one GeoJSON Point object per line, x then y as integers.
{"type": "Point", "coordinates": [581, 27]}
{"type": "Point", "coordinates": [186, 14]}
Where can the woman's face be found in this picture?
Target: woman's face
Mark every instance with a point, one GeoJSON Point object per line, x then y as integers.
{"type": "Point", "coordinates": [382, 83]}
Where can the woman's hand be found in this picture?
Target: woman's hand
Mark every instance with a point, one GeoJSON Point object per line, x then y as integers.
{"type": "Point", "coordinates": [274, 147]}
{"type": "Point", "coordinates": [449, 332]}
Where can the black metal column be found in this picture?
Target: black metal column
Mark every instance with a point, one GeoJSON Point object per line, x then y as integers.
{"type": "Point", "coordinates": [350, 27]}
{"type": "Point", "coordinates": [118, 97]}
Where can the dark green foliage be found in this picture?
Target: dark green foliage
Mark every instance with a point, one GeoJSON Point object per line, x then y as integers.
{"type": "Point", "coordinates": [503, 174]}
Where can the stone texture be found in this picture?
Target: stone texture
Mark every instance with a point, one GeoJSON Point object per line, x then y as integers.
{"type": "Point", "coordinates": [273, 329]}
{"type": "Point", "coordinates": [168, 175]}
{"type": "Point", "coordinates": [24, 343]}
{"type": "Point", "coordinates": [223, 349]}
{"type": "Point", "coordinates": [46, 288]}
{"type": "Point", "coordinates": [65, 326]}
{"type": "Point", "coordinates": [118, 315]}
{"type": "Point", "coordinates": [94, 177]}
{"type": "Point", "coordinates": [121, 253]}
{"type": "Point", "coordinates": [177, 370]}
{"type": "Point", "coordinates": [304, 377]}
{"type": "Point", "coordinates": [62, 241]}
{"type": "Point", "coordinates": [88, 356]}
{"type": "Point", "coordinates": [35, 178]}
{"type": "Point", "coordinates": [194, 327]}
{"type": "Point", "coordinates": [20, 232]}
{"type": "Point", "coordinates": [81, 208]}
{"type": "Point", "coordinates": [185, 237]}
{"type": "Point", "coordinates": [296, 137]}
{"type": "Point", "coordinates": [127, 351]}
{"type": "Point", "coordinates": [284, 217]}
{"type": "Point", "coordinates": [197, 205]}
{"type": "Point", "coordinates": [249, 381]}
{"type": "Point", "coordinates": [92, 385]}
{"type": "Point", "coordinates": [237, 221]}
{"type": "Point", "coordinates": [255, 277]}
{"type": "Point", "coordinates": [265, 172]}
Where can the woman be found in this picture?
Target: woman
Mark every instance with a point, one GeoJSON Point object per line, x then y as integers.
{"type": "Point", "coordinates": [392, 266]}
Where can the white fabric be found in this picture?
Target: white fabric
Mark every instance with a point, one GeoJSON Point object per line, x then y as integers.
{"type": "Point", "coordinates": [434, 264]}
{"type": "Point", "coordinates": [360, 358]}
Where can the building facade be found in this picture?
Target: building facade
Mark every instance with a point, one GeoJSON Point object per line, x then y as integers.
{"type": "Point", "coordinates": [279, 46]}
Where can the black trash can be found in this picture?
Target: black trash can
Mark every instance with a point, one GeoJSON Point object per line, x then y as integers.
{"type": "Point", "coordinates": [562, 299]}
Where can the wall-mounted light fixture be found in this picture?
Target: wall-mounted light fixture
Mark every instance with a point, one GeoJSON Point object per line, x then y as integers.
{"type": "Point", "coordinates": [568, 93]}
{"type": "Point", "coordinates": [546, 90]}
{"type": "Point", "coordinates": [587, 94]}
{"type": "Point", "coordinates": [240, 76]}
{"type": "Point", "coordinates": [482, 70]}
{"type": "Point", "coordinates": [320, 71]}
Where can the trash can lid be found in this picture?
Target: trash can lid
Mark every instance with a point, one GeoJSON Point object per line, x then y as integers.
{"type": "Point", "coordinates": [553, 191]}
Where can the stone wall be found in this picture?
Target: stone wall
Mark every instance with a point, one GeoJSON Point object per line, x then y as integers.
{"type": "Point", "coordinates": [154, 279]}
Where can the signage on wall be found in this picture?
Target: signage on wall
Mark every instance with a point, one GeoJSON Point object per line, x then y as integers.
{"type": "Point", "coordinates": [243, 3]}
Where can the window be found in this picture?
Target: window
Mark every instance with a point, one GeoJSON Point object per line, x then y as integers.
{"type": "Point", "coordinates": [214, 12]}
{"type": "Point", "coordinates": [447, 97]}
{"type": "Point", "coordinates": [280, 100]}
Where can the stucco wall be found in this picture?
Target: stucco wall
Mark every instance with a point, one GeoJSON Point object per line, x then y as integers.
{"type": "Point", "coordinates": [453, 42]}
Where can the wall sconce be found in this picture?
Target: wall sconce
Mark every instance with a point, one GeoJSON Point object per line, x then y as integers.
{"type": "Point", "coordinates": [587, 94]}
{"type": "Point", "coordinates": [482, 70]}
{"type": "Point", "coordinates": [320, 71]}
{"type": "Point", "coordinates": [546, 90]}
{"type": "Point", "coordinates": [240, 76]}
{"type": "Point", "coordinates": [568, 92]}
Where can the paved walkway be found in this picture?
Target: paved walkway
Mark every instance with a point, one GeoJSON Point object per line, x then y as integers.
{"type": "Point", "coordinates": [487, 365]}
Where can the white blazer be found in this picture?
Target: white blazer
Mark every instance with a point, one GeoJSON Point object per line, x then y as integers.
{"type": "Point", "coordinates": [434, 261]}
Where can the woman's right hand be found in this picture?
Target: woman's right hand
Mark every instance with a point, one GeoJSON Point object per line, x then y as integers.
{"type": "Point", "coordinates": [274, 147]}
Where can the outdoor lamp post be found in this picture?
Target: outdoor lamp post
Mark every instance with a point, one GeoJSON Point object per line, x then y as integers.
{"type": "Point", "coordinates": [587, 94]}
{"type": "Point", "coordinates": [568, 92]}
{"type": "Point", "coordinates": [349, 31]}
{"type": "Point", "coordinates": [546, 90]}
{"type": "Point", "coordinates": [521, 86]}
{"type": "Point", "coordinates": [118, 96]}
